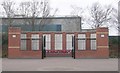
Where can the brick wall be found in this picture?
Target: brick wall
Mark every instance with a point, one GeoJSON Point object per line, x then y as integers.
{"type": "Point", "coordinates": [14, 46]}
{"type": "Point", "coordinates": [14, 51]}
{"type": "Point", "coordinates": [102, 50]}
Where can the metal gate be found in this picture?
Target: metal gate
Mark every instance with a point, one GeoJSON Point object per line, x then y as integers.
{"type": "Point", "coordinates": [43, 47]}
{"type": "Point", "coordinates": [73, 47]}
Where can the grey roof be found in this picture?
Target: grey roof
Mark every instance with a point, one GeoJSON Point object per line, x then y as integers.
{"type": "Point", "coordinates": [73, 17]}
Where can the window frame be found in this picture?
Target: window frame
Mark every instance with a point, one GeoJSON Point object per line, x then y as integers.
{"type": "Point", "coordinates": [36, 41]}
{"type": "Point", "coordinates": [82, 38]}
{"type": "Point", "coordinates": [69, 41]}
{"type": "Point", "coordinates": [93, 38]}
{"type": "Point", "coordinates": [60, 41]}
{"type": "Point", "coordinates": [23, 38]}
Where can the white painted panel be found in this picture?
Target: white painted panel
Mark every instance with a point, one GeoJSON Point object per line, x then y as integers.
{"type": "Point", "coordinates": [81, 36]}
{"type": "Point", "coordinates": [93, 44]}
{"type": "Point", "coordinates": [23, 42]}
{"type": "Point", "coordinates": [23, 45]}
{"type": "Point", "coordinates": [93, 41]}
{"type": "Point", "coordinates": [23, 36]}
{"type": "Point", "coordinates": [93, 35]}
{"type": "Point", "coordinates": [48, 41]}
{"type": "Point", "coordinates": [36, 36]}
{"type": "Point", "coordinates": [35, 43]}
{"type": "Point", "coordinates": [58, 41]}
{"type": "Point", "coordinates": [82, 42]}
{"type": "Point", "coordinates": [69, 41]}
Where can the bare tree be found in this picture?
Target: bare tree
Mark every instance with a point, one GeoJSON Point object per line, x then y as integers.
{"type": "Point", "coordinates": [9, 10]}
{"type": "Point", "coordinates": [24, 9]}
{"type": "Point", "coordinates": [115, 19]}
{"type": "Point", "coordinates": [45, 13]}
{"type": "Point", "coordinates": [30, 11]}
{"type": "Point", "coordinates": [99, 15]}
{"type": "Point", "coordinates": [36, 9]}
{"type": "Point", "coordinates": [118, 14]}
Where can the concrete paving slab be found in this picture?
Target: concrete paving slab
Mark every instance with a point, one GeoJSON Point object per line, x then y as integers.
{"type": "Point", "coordinates": [59, 64]}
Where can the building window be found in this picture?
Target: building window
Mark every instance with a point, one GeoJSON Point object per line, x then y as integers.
{"type": "Point", "coordinates": [35, 41]}
{"type": "Point", "coordinates": [93, 41]}
{"type": "Point", "coordinates": [48, 41]}
{"type": "Point", "coordinates": [81, 41]}
{"type": "Point", "coordinates": [23, 42]}
{"type": "Point", "coordinates": [58, 41]}
{"type": "Point", "coordinates": [69, 41]}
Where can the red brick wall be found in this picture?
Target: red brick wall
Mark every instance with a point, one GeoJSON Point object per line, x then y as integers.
{"type": "Point", "coordinates": [64, 40]}
{"type": "Point", "coordinates": [15, 52]}
{"type": "Point", "coordinates": [88, 41]}
{"type": "Point", "coordinates": [14, 46]}
{"type": "Point", "coordinates": [99, 53]}
{"type": "Point", "coordinates": [102, 46]}
{"type": "Point", "coordinates": [52, 41]}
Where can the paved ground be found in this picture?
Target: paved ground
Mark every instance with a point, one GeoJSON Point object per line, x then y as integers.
{"type": "Point", "coordinates": [0, 52]}
{"type": "Point", "coordinates": [59, 64]}
{"type": "Point", "coordinates": [0, 65]}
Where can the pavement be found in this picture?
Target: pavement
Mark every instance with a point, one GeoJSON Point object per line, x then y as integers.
{"type": "Point", "coordinates": [59, 64]}
{"type": "Point", "coordinates": [0, 65]}
{"type": "Point", "coordinates": [0, 52]}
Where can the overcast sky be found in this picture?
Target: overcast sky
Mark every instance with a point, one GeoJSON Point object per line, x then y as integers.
{"type": "Point", "coordinates": [64, 6]}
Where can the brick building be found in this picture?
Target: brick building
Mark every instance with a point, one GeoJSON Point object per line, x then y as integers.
{"type": "Point", "coordinates": [40, 44]}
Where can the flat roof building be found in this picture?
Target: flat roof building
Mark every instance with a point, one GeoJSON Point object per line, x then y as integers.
{"type": "Point", "coordinates": [64, 24]}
